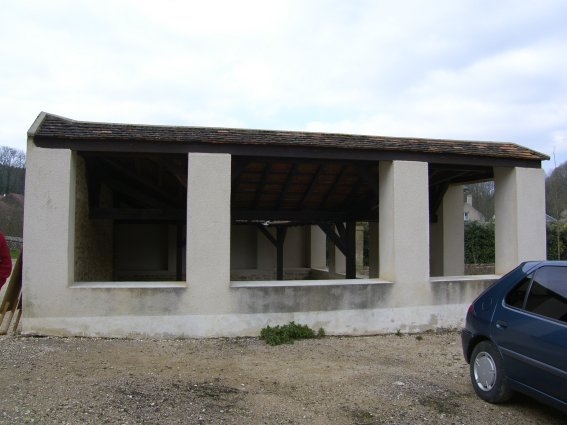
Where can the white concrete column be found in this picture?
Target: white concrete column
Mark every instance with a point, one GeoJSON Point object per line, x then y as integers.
{"type": "Point", "coordinates": [337, 262]}
{"type": "Point", "coordinates": [373, 251]}
{"type": "Point", "coordinates": [447, 236]}
{"type": "Point", "coordinates": [453, 232]}
{"type": "Point", "coordinates": [520, 216]}
{"type": "Point", "coordinates": [318, 248]}
{"type": "Point", "coordinates": [49, 230]}
{"type": "Point", "coordinates": [340, 262]}
{"type": "Point", "coordinates": [404, 229]}
{"type": "Point", "coordinates": [208, 230]}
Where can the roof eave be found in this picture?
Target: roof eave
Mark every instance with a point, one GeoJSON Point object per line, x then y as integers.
{"type": "Point", "coordinates": [251, 150]}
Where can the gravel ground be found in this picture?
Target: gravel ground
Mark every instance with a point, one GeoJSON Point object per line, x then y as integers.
{"type": "Point", "coordinates": [391, 379]}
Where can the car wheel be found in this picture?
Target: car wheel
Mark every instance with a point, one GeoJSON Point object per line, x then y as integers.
{"type": "Point", "coordinates": [487, 374]}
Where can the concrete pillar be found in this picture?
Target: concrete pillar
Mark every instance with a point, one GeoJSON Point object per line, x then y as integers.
{"type": "Point", "coordinates": [208, 229]}
{"type": "Point", "coordinates": [520, 216]}
{"type": "Point", "coordinates": [318, 248]}
{"type": "Point", "coordinates": [373, 251]}
{"type": "Point", "coordinates": [48, 268]}
{"type": "Point", "coordinates": [340, 261]}
{"type": "Point", "coordinates": [453, 232]}
{"type": "Point", "coordinates": [337, 262]}
{"type": "Point", "coordinates": [404, 229]}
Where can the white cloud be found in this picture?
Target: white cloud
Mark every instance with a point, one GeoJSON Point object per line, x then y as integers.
{"type": "Point", "coordinates": [468, 69]}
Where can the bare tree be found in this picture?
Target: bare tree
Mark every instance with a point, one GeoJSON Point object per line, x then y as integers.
{"type": "Point", "coordinates": [556, 191]}
{"type": "Point", "coordinates": [483, 197]}
{"type": "Point", "coordinates": [12, 170]}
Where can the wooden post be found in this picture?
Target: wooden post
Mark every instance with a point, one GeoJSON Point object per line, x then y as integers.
{"type": "Point", "coordinates": [12, 298]}
{"type": "Point", "coordinates": [350, 236]}
{"type": "Point", "coordinates": [281, 232]}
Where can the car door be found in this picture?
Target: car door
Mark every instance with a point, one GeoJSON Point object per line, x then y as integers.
{"type": "Point", "coordinates": [530, 328]}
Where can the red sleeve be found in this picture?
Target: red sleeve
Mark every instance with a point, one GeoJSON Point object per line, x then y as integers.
{"type": "Point", "coordinates": [5, 260]}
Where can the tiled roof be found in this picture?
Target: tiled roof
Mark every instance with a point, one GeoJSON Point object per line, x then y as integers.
{"type": "Point", "coordinates": [53, 127]}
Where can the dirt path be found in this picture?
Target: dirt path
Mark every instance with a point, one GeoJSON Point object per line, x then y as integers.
{"type": "Point", "coordinates": [409, 379]}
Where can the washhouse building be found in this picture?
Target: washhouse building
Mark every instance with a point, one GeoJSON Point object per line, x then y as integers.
{"type": "Point", "coordinates": [168, 231]}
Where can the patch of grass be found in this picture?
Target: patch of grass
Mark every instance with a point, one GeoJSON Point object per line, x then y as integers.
{"type": "Point", "coordinates": [442, 404]}
{"type": "Point", "coordinates": [419, 338]}
{"type": "Point", "coordinates": [398, 333]}
{"type": "Point", "coordinates": [287, 334]}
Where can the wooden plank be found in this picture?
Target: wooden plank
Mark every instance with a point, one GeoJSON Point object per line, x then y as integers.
{"type": "Point", "coordinates": [12, 297]}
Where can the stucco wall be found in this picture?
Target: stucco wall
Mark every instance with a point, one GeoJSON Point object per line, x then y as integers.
{"type": "Point", "coordinates": [207, 303]}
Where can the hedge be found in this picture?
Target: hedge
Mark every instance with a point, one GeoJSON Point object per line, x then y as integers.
{"type": "Point", "coordinates": [479, 242]}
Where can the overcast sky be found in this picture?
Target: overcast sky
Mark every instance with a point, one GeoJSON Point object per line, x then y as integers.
{"type": "Point", "coordinates": [472, 69]}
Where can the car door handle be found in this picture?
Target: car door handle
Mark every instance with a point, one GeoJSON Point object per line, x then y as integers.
{"type": "Point", "coordinates": [501, 324]}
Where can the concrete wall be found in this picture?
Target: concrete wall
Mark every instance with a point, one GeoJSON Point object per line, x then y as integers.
{"type": "Point", "coordinates": [243, 247]}
{"type": "Point", "coordinates": [252, 250]}
{"type": "Point", "coordinates": [207, 303]}
{"type": "Point", "coordinates": [296, 248]}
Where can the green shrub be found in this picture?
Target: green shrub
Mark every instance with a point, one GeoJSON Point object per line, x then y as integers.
{"type": "Point", "coordinates": [557, 241]}
{"type": "Point", "coordinates": [479, 243]}
{"type": "Point", "coordinates": [286, 334]}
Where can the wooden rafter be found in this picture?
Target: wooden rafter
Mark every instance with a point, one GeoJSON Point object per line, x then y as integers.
{"type": "Point", "coordinates": [288, 183]}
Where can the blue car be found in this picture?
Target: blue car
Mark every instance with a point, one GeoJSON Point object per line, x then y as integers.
{"type": "Point", "coordinates": [515, 336]}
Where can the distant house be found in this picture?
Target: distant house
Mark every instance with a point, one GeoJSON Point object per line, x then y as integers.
{"type": "Point", "coordinates": [471, 213]}
{"type": "Point", "coordinates": [169, 231]}
{"type": "Point", "coordinates": [549, 219]}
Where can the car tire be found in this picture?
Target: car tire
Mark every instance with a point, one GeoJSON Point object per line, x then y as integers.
{"type": "Point", "coordinates": [488, 375]}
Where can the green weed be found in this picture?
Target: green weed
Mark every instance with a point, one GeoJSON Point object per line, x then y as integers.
{"type": "Point", "coordinates": [287, 334]}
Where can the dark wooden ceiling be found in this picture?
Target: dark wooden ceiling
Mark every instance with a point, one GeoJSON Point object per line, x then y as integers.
{"type": "Point", "coordinates": [148, 186]}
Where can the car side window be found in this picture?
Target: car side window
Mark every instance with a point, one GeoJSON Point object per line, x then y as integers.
{"type": "Point", "coordinates": [548, 293]}
{"type": "Point", "coordinates": [517, 296]}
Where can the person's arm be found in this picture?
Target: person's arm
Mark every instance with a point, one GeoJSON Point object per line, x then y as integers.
{"type": "Point", "coordinates": [5, 260]}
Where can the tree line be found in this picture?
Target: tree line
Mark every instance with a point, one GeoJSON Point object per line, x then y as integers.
{"type": "Point", "coordinates": [479, 237]}
{"type": "Point", "coordinates": [12, 186]}
{"type": "Point", "coordinates": [12, 170]}
{"type": "Point", "coordinates": [555, 194]}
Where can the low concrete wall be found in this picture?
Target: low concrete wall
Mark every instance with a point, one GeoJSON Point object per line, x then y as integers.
{"type": "Point", "coordinates": [454, 290]}
{"type": "Point", "coordinates": [341, 307]}
{"type": "Point", "coordinates": [343, 322]}
{"type": "Point", "coordinates": [300, 273]}
{"type": "Point", "coordinates": [285, 297]}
